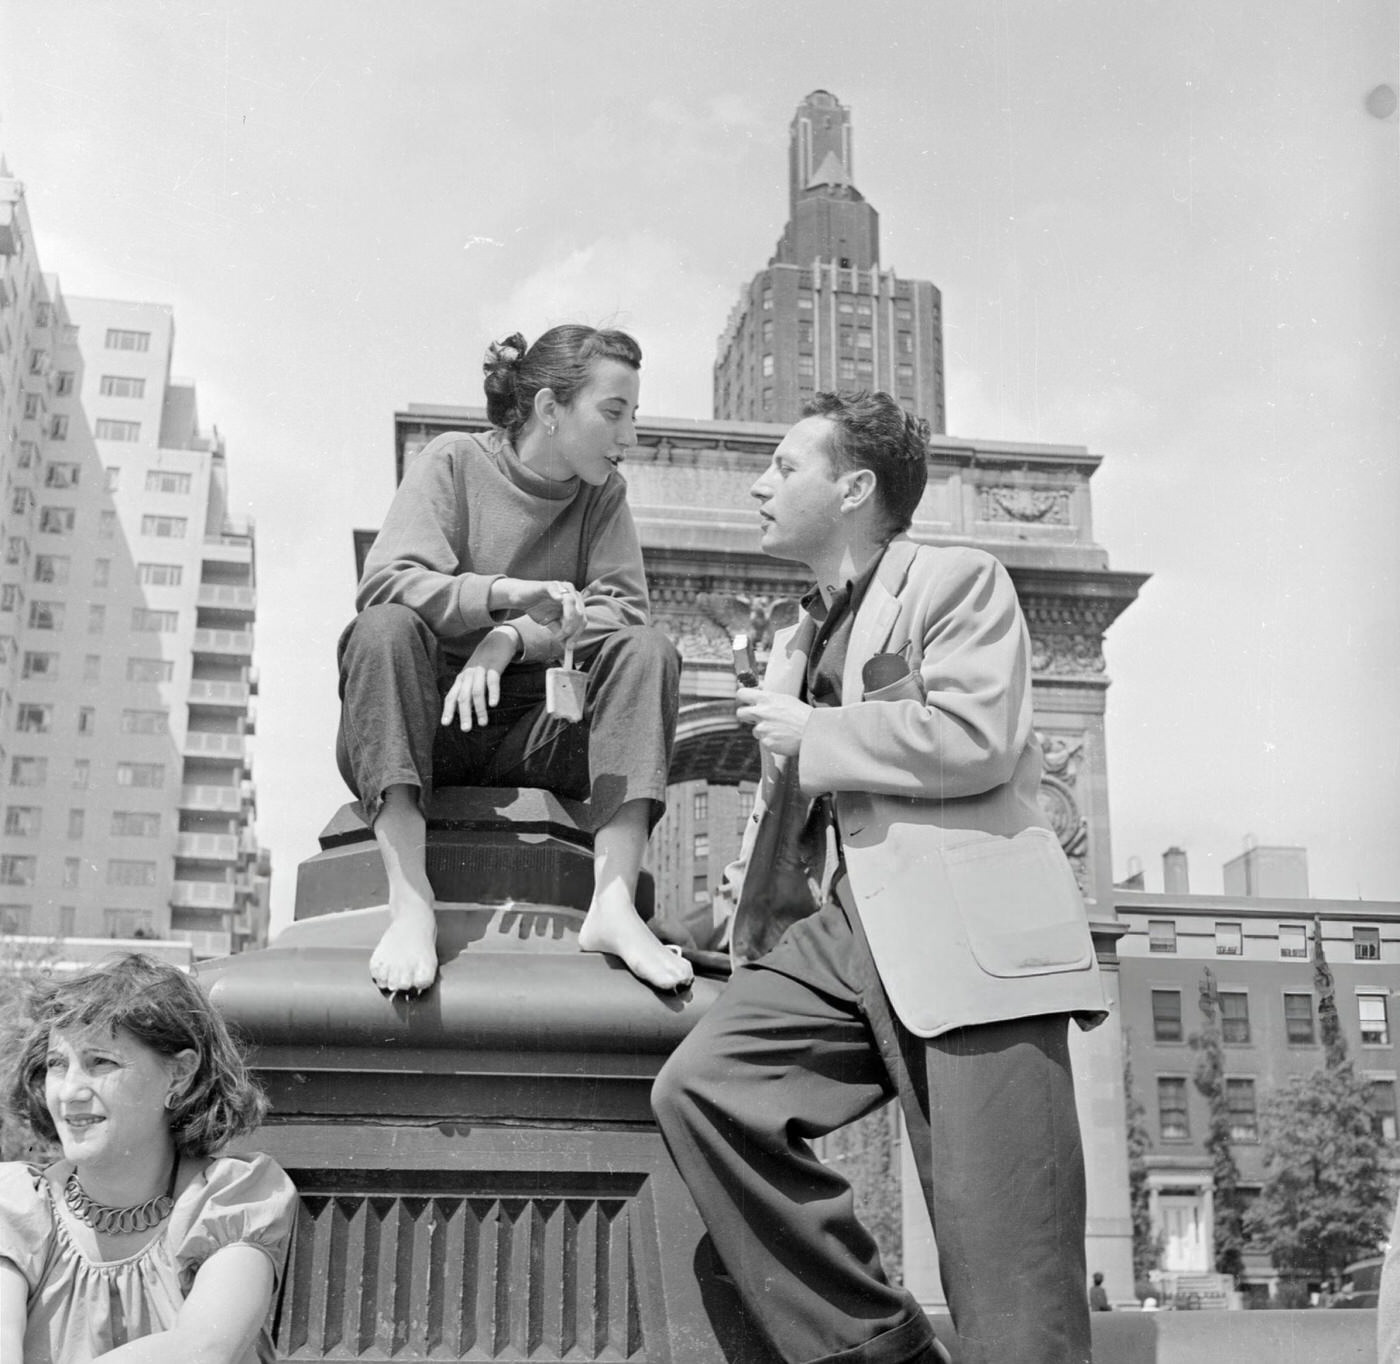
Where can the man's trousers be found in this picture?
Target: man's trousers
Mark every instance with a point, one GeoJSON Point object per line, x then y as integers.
{"type": "Point", "coordinates": [802, 1043]}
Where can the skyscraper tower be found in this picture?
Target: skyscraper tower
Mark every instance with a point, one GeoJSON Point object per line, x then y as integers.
{"type": "Point", "coordinates": [823, 315]}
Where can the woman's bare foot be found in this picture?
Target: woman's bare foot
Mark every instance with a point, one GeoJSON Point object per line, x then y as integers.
{"type": "Point", "coordinates": [618, 929]}
{"type": "Point", "coordinates": [406, 956]}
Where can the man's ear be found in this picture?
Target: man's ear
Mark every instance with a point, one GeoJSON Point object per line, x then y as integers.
{"type": "Point", "coordinates": [860, 489]}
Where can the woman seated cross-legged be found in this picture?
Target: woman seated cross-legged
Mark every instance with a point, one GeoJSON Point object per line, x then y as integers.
{"type": "Point", "coordinates": [498, 551]}
{"type": "Point", "coordinates": [145, 1242]}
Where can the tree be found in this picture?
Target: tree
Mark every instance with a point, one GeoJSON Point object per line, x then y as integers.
{"type": "Point", "coordinates": [22, 961]}
{"type": "Point", "coordinates": [1209, 1080]}
{"type": "Point", "coordinates": [1324, 1202]}
{"type": "Point", "coordinates": [1326, 1197]}
{"type": "Point", "coordinates": [1147, 1247]}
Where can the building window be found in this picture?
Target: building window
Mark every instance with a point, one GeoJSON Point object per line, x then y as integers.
{"type": "Point", "coordinates": [148, 775]}
{"type": "Point", "coordinates": [1292, 940]}
{"type": "Point", "coordinates": [164, 527]}
{"type": "Point", "coordinates": [82, 774]}
{"type": "Point", "coordinates": [56, 520]}
{"type": "Point", "coordinates": [106, 524]}
{"type": "Point", "coordinates": [159, 575]}
{"type": "Point", "coordinates": [72, 870]}
{"type": "Point", "coordinates": [16, 549]}
{"type": "Point", "coordinates": [864, 340]}
{"type": "Point", "coordinates": [118, 338]}
{"type": "Point", "coordinates": [1229, 940]}
{"type": "Point", "coordinates": [804, 333]}
{"type": "Point", "coordinates": [905, 343]}
{"type": "Point", "coordinates": [845, 305]}
{"type": "Point", "coordinates": [904, 314]}
{"type": "Point", "coordinates": [848, 338]}
{"type": "Point", "coordinates": [109, 429]}
{"type": "Point", "coordinates": [58, 427]}
{"type": "Point", "coordinates": [14, 919]}
{"type": "Point", "coordinates": [1243, 1110]}
{"type": "Point", "coordinates": [17, 869]}
{"type": "Point", "coordinates": [700, 806]}
{"type": "Point", "coordinates": [166, 481]}
{"type": "Point", "coordinates": [135, 824]}
{"type": "Point", "coordinates": [97, 619]}
{"type": "Point", "coordinates": [145, 721]}
{"type": "Point", "coordinates": [51, 568]}
{"type": "Point", "coordinates": [62, 475]}
{"type": "Point", "coordinates": [34, 718]}
{"type": "Point", "coordinates": [154, 622]}
{"type": "Point", "coordinates": [1161, 935]}
{"type": "Point", "coordinates": [767, 300]}
{"type": "Point", "coordinates": [745, 808]}
{"type": "Point", "coordinates": [846, 369]}
{"type": "Point", "coordinates": [700, 890]}
{"type": "Point", "coordinates": [67, 920]}
{"type": "Point", "coordinates": [112, 478]}
{"type": "Point", "coordinates": [1375, 1029]}
{"type": "Point", "coordinates": [1380, 1099]}
{"type": "Point", "coordinates": [767, 366]}
{"type": "Point", "coordinates": [101, 572]}
{"type": "Point", "coordinates": [122, 871]}
{"type": "Point", "coordinates": [46, 615]}
{"type": "Point", "coordinates": [1171, 1108]}
{"type": "Point", "coordinates": [23, 821]}
{"type": "Point", "coordinates": [1234, 1016]}
{"type": "Point", "coordinates": [1298, 1019]}
{"type": "Point", "coordinates": [700, 847]}
{"type": "Point", "coordinates": [40, 665]}
{"type": "Point", "coordinates": [1366, 944]}
{"type": "Point", "coordinates": [76, 820]}
{"type": "Point", "coordinates": [92, 667]}
{"type": "Point", "coordinates": [804, 302]}
{"type": "Point", "coordinates": [63, 385]}
{"type": "Point", "coordinates": [11, 597]}
{"type": "Point", "coordinates": [127, 923]}
{"type": "Point", "coordinates": [806, 366]}
{"type": "Point", "coordinates": [28, 771]}
{"type": "Point", "coordinates": [865, 369]}
{"type": "Point", "coordinates": [122, 386]}
{"type": "Point", "coordinates": [1166, 1015]}
{"type": "Point", "coordinates": [87, 720]}
{"type": "Point", "coordinates": [149, 669]}
{"type": "Point", "coordinates": [905, 373]}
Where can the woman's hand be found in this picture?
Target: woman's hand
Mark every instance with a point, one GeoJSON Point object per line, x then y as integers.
{"type": "Point", "coordinates": [478, 686]}
{"type": "Point", "coordinates": [556, 604]}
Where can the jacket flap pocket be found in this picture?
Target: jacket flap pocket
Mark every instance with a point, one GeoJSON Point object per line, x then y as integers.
{"type": "Point", "coordinates": [1019, 905]}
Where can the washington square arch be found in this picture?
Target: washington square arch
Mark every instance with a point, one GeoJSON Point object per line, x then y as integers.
{"type": "Point", "coordinates": [1030, 505]}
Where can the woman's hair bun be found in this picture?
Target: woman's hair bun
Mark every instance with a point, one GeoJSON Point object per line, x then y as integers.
{"type": "Point", "coordinates": [504, 355]}
{"type": "Point", "coordinates": [502, 369]}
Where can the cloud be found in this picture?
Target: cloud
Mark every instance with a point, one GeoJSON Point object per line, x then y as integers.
{"type": "Point", "coordinates": [642, 283]}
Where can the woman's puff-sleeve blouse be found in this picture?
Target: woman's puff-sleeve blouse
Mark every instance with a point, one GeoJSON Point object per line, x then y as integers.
{"type": "Point", "coordinates": [80, 1308]}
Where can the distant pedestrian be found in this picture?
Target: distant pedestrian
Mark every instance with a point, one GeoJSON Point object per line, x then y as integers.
{"type": "Point", "coordinates": [1098, 1295]}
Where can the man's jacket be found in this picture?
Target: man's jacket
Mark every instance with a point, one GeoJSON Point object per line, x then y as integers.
{"type": "Point", "coordinates": [970, 907]}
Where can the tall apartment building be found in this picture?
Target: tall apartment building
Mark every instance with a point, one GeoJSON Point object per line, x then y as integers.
{"type": "Point", "coordinates": [127, 598]}
{"type": "Point", "coordinates": [824, 315]}
{"type": "Point", "coordinates": [1257, 946]}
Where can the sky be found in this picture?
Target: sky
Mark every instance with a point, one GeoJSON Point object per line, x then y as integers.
{"type": "Point", "coordinates": [1163, 230]}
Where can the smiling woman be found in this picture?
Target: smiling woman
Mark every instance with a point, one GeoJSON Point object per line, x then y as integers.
{"type": "Point", "coordinates": [144, 1241]}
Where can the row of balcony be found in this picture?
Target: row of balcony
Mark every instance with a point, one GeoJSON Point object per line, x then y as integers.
{"type": "Point", "coordinates": [223, 597]}
{"type": "Point", "coordinates": [238, 643]}
{"type": "Point", "coordinates": [224, 799]}
{"type": "Point", "coordinates": [232, 694]}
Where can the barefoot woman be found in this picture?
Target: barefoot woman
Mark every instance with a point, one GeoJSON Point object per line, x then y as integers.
{"type": "Point", "coordinates": [497, 550]}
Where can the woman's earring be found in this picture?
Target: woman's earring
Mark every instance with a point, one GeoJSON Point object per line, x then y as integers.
{"type": "Point", "coordinates": [551, 433]}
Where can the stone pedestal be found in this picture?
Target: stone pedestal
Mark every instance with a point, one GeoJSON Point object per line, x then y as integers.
{"type": "Point", "coordinates": [480, 1174]}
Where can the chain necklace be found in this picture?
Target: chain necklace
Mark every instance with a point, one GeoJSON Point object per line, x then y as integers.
{"type": "Point", "coordinates": [119, 1221]}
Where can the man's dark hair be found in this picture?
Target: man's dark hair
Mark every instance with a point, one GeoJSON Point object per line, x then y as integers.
{"type": "Point", "coordinates": [871, 431]}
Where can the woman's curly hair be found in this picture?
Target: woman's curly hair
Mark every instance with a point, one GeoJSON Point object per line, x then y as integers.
{"type": "Point", "coordinates": [162, 1007]}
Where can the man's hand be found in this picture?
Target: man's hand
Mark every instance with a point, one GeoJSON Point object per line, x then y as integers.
{"type": "Point", "coordinates": [777, 719]}
{"type": "Point", "coordinates": [478, 685]}
{"type": "Point", "coordinates": [558, 605]}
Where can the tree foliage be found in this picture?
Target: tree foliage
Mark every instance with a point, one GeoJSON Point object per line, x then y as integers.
{"type": "Point", "coordinates": [1147, 1246]}
{"type": "Point", "coordinates": [22, 961]}
{"type": "Point", "coordinates": [1326, 1197]}
{"type": "Point", "coordinates": [1209, 1080]}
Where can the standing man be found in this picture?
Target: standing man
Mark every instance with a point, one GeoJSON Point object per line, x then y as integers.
{"type": "Point", "coordinates": [940, 959]}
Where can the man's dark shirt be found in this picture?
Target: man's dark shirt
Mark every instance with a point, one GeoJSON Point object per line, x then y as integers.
{"type": "Point", "coordinates": [827, 661]}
